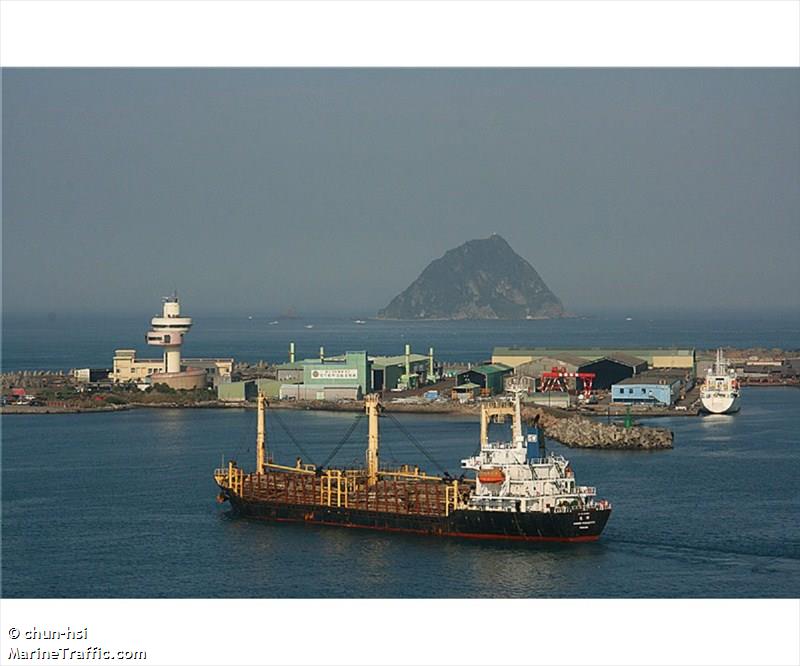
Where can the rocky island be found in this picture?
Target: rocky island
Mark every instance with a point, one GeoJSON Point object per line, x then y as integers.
{"type": "Point", "coordinates": [481, 279]}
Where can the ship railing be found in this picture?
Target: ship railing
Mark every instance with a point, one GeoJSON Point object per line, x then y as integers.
{"type": "Point", "coordinates": [452, 498]}
{"type": "Point", "coordinates": [404, 472]}
{"type": "Point", "coordinates": [548, 461]}
{"type": "Point", "coordinates": [334, 488]}
{"type": "Point", "coordinates": [587, 490]}
{"type": "Point", "coordinates": [303, 469]}
{"type": "Point", "coordinates": [231, 477]}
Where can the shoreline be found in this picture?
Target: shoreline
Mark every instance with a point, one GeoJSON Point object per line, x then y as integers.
{"type": "Point", "coordinates": [406, 408]}
{"type": "Point", "coordinates": [568, 428]}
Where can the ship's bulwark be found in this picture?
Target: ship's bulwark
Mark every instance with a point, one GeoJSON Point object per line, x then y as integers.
{"type": "Point", "coordinates": [579, 525]}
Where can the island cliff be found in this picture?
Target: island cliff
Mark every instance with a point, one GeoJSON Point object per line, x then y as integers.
{"type": "Point", "coordinates": [481, 279]}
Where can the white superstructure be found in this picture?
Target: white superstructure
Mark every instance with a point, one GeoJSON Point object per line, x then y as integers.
{"type": "Point", "coordinates": [167, 331]}
{"type": "Point", "coordinates": [720, 393]}
{"type": "Point", "coordinates": [507, 479]}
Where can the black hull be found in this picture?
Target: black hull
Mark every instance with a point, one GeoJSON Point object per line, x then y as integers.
{"type": "Point", "coordinates": [585, 525]}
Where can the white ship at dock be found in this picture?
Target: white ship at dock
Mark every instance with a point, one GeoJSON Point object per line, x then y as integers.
{"type": "Point", "coordinates": [720, 393]}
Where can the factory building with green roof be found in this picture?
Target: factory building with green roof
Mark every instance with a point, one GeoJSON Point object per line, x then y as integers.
{"type": "Point", "coordinates": [490, 377]}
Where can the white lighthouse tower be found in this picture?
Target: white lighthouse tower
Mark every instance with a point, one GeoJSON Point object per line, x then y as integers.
{"type": "Point", "coordinates": [167, 331]}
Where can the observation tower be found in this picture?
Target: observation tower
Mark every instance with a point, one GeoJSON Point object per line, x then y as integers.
{"type": "Point", "coordinates": [167, 331]}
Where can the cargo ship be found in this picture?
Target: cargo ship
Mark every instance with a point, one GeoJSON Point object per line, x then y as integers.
{"type": "Point", "coordinates": [510, 494]}
{"type": "Point", "coordinates": [720, 393]}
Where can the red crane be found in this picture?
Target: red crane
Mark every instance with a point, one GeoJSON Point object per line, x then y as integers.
{"type": "Point", "coordinates": [554, 379]}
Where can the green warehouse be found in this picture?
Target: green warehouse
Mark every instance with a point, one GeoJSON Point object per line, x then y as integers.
{"type": "Point", "coordinates": [353, 370]}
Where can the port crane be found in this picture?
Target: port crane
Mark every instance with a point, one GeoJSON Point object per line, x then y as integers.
{"type": "Point", "coordinates": [554, 380]}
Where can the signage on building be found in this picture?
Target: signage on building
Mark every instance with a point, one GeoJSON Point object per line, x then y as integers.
{"type": "Point", "coordinates": [335, 373]}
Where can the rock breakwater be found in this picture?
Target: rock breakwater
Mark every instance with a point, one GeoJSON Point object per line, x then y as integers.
{"type": "Point", "coordinates": [584, 433]}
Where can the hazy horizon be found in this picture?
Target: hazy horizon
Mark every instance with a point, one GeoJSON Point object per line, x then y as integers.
{"type": "Point", "coordinates": [144, 314]}
{"type": "Point", "coordinates": [329, 191]}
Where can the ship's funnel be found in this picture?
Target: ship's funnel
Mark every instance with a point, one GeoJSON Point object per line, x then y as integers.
{"type": "Point", "coordinates": [291, 352]}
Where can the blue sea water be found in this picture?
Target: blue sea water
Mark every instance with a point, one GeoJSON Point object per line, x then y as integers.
{"type": "Point", "coordinates": [122, 505]}
{"type": "Point", "coordinates": [61, 342]}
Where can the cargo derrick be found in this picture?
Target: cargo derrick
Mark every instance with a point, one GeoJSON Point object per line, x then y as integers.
{"type": "Point", "coordinates": [404, 490]}
{"type": "Point", "coordinates": [512, 496]}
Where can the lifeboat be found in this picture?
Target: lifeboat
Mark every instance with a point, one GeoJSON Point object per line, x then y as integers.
{"type": "Point", "coordinates": [491, 475]}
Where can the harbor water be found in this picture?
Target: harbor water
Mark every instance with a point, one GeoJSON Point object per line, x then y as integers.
{"type": "Point", "coordinates": [61, 342]}
{"type": "Point", "coordinates": [123, 505]}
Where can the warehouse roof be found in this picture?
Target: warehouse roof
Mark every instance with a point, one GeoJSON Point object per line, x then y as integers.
{"type": "Point", "coordinates": [490, 368]}
{"type": "Point", "coordinates": [570, 359]}
{"type": "Point", "coordinates": [622, 359]}
{"type": "Point", "coordinates": [289, 366]}
{"type": "Point", "coordinates": [590, 354]}
{"type": "Point", "coordinates": [667, 376]}
{"type": "Point", "coordinates": [383, 361]}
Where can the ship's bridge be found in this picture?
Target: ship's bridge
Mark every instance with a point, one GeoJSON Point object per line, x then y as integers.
{"type": "Point", "coordinates": [497, 453]}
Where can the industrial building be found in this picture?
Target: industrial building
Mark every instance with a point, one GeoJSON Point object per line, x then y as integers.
{"type": "Point", "coordinates": [403, 372]}
{"type": "Point", "coordinates": [528, 375]}
{"type": "Point", "coordinates": [489, 377]}
{"type": "Point", "coordinates": [89, 375]}
{"type": "Point", "coordinates": [303, 392]}
{"type": "Point", "coordinates": [289, 373]}
{"type": "Point", "coordinates": [655, 357]}
{"type": "Point", "coordinates": [655, 387]}
{"type": "Point", "coordinates": [237, 391]}
{"type": "Point", "coordinates": [612, 369]}
{"type": "Point", "coordinates": [167, 331]}
{"type": "Point", "coordinates": [465, 392]}
{"type": "Point", "coordinates": [248, 390]}
{"type": "Point", "coordinates": [128, 368]}
{"type": "Point", "coordinates": [355, 371]}
{"type": "Point", "coordinates": [343, 377]}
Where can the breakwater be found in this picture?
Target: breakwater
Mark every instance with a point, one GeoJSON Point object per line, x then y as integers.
{"type": "Point", "coordinates": [568, 429]}
{"type": "Point", "coordinates": [580, 432]}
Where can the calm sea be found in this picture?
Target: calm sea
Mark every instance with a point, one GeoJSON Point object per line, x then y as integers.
{"type": "Point", "coordinates": [122, 505]}
{"type": "Point", "coordinates": [63, 342]}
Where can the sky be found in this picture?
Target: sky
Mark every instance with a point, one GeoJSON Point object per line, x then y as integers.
{"type": "Point", "coordinates": [330, 190]}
